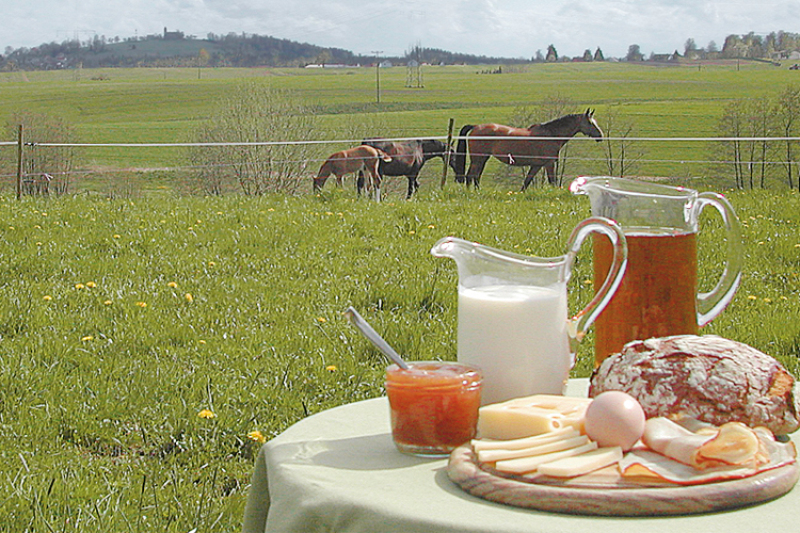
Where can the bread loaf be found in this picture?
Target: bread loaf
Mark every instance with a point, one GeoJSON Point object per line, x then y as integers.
{"type": "Point", "coordinates": [707, 377]}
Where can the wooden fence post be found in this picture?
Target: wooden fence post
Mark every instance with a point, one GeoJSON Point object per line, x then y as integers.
{"type": "Point", "coordinates": [447, 154]}
{"type": "Point", "coordinates": [19, 162]}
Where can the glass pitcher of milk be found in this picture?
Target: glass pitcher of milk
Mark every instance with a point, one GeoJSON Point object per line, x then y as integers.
{"type": "Point", "coordinates": [513, 320]}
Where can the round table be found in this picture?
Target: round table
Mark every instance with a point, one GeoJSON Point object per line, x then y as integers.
{"type": "Point", "coordinates": [338, 470]}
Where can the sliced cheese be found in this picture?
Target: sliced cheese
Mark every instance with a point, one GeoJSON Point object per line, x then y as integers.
{"type": "Point", "coordinates": [582, 464]}
{"type": "Point", "coordinates": [530, 464]}
{"type": "Point", "coordinates": [531, 415]}
{"type": "Point", "coordinates": [491, 456]}
{"type": "Point", "coordinates": [525, 442]}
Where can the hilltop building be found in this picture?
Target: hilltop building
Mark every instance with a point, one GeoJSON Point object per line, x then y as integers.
{"type": "Point", "coordinates": [172, 35]}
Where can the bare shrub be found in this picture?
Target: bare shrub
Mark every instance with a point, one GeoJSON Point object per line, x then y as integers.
{"type": "Point", "coordinates": [255, 131]}
{"type": "Point", "coordinates": [622, 155]}
{"type": "Point", "coordinates": [45, 169]}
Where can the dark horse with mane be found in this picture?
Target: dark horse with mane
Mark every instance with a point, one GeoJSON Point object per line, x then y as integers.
{"type": "Point", "coordinates": [535, 147]}
{"type": "Point", "coordinates": [408, 157]}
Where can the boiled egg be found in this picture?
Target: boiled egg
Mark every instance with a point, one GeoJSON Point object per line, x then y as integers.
{"type": "Point", "coordinates": [615, 418]}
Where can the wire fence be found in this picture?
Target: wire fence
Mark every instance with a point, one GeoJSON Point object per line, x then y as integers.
{"type": "Point", "coordinates": [608, 157]}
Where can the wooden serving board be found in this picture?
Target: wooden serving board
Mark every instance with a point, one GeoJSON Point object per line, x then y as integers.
{"type": "Point", "coordinates": [606, 493]}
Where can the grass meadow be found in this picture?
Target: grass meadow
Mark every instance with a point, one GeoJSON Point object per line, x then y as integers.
{"type": "Point", "coordinates": [149, 343]}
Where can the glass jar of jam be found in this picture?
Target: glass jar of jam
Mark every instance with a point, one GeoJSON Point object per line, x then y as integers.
{"type": "Point", "coordinates": [434, 405]}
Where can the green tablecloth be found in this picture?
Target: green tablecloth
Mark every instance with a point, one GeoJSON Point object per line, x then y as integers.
{"type": "Point", "coordinates": [339, 471]}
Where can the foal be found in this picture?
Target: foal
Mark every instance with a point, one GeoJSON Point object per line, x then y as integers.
{"type": "Point", "coordinates": [349, 161]}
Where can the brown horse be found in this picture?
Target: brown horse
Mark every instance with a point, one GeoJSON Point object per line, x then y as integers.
{"type": "Point", "coordinates": [520, 146]}
{"type": "Point", "coordinates": [408, 157]}
{"type": "Point", "coordinates": [349, 161]}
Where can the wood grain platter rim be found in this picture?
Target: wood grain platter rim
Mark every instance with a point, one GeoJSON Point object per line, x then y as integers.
{"type": "Point", "coordinates": [463, 469]}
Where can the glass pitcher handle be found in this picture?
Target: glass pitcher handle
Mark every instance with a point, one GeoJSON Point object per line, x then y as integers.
{"type": "Point", "coordinates": [579, 324]}
{"type": "Point", "coordinates": [710, 304]}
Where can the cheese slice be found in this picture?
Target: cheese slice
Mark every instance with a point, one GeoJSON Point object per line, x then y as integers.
{"type": "Point", "coordinates": [491, 456]}
{"type": "Point", "coordinates": [530, 464]}
{"type": "Point", "coordinates": [531, 415]}
{"type": "Point", "coordinates": [582, 464]}
{"type": "Point", "coordinates": [525, 442]}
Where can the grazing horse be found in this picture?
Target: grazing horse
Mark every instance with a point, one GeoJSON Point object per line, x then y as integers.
{"type": "Point", "coordinates": [408, 157]}
{"type": "Point", "coordinates": [520, 146]}
{"type": "Point", "coordinates": [353, 160]}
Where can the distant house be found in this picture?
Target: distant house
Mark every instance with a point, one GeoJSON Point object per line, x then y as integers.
{"type": "Point", "coordinates": [662, 58]}
{"type": "Point", "coordinates": [172, 35]}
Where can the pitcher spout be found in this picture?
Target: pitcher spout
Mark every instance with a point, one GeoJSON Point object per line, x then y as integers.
{"type": "Point", "coordinates": [451, 247]}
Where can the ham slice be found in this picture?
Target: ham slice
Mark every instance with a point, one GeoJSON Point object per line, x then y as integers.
{"type": "Point", "coordinates": [731, 444]}
{"type": "Point", "coordinates": [677, 455]}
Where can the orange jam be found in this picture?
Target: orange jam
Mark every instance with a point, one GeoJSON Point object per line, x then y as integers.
{"type": "Point", "coordinates": [434, 405]}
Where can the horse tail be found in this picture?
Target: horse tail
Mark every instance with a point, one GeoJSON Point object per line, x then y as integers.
{"type": "Point", "coordinates": [460, 157]}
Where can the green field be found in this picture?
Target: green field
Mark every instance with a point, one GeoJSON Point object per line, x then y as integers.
{"type": "Point", "coordinates": [166, 105]}
{"type": "Point", "coordinates": [150, 342]}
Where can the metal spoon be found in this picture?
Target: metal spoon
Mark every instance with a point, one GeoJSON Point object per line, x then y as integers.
{"type": "Point", "coordinates": [362, 325]}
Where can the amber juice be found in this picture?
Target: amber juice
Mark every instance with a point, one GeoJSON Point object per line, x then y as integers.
{"type": "Point", "coordinates": [657, 295]}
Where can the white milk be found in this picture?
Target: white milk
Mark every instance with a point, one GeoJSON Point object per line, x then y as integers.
{"type": "Point", "coordinates": [518, 336]}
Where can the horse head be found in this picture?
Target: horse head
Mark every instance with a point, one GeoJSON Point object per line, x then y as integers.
{"type": "Point", "coordinates": [589, 127]}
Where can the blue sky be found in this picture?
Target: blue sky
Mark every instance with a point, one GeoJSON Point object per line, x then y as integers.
{"type": "Point", "coordinates": [509, 28]}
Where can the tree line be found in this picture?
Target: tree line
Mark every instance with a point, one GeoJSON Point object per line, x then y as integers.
{"type": "Point", "coordinates": [250, 50]}
{"type": "Point", "coordinates": [229, 50]}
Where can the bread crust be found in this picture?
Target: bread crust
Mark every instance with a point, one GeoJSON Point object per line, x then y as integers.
{"type": "Point", "coordinates": [713, 379]}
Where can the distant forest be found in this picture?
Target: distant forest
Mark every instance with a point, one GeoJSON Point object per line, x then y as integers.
{"type": "Point", "coordinates": [174, 49]}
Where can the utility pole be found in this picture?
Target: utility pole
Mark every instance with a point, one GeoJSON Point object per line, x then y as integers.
{"type": "Point", "coordinates": [377, 75]}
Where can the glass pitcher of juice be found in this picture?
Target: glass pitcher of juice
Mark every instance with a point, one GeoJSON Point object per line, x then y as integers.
{"type": "Point", "coordinates": [513, 321]}
{"type": "Point", "coordinates": [658, 295]}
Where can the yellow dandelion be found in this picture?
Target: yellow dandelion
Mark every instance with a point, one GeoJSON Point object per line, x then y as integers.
{"type": "Point", "coordinates": [331, 368]}
{"type": "Point", "coordinates": [257, 436]}
{"type": "Point", "coordinates": [47, 298]}
{"type": "Point", "coordinates": [80, 286]}
{"type": "Point", "coordinates": [201, 341]}
{"type": "Point", "coordinates": [797, 245]}
{"type": "Point", "coordinates": [751, 297]}
{"type": "Point", "coordinates": [189, 297]}
{"type": "Point", "coordinates": [270, 209]}
{"type": "Point", "coordinates": [207, 413]}
{"type": "Point", "coordinates": [172, 285]}
{"type": "Point", "coordinates": [142, 304]}
{"type": "Point", "coordinates": [39, 243]}
{"type": "Point", "coordinates": [212, 264]}
{"type": "Point", "coordinates": [107, 302]}
{"type": "Point", "coordinates": [431, 226]}
{"type": "Point", "coordinates": [587, 282]}
{"type": "Point", "coordinates": [768, 300]}
{"type": "Point", "coordinates": [322, 319]}
{"type": "Point", "coordinates": [87, 338]}
{"type": "Point", "coordinates": [117, 236]}
{"type": "Point", "coordinates": [91, 284]}
{"type": "Point", "coordinates": [412, 232]}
